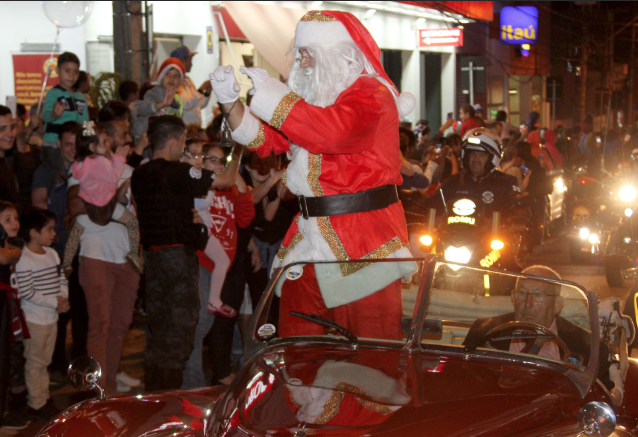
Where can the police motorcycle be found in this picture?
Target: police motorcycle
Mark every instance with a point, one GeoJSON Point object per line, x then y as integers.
{"type": "Point", "coordinates": [462, 231]}
{"type": "Point", "coordinates": [601, 211]}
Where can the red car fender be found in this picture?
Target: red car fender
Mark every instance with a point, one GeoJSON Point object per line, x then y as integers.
{"type": "Point", "coordinates": [631, 389]}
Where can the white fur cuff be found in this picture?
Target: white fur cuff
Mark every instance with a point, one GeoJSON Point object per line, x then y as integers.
{"type": "Point", "coordinates": [248, 130]}
{"type": "Point", "coordinates": [267, 99]}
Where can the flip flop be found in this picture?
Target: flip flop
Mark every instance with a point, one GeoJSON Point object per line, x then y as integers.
{"type": "Point", "coordinates": [222, 312]}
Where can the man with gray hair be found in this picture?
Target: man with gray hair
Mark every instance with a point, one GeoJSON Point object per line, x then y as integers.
{"type": "Point", "coordinates": [538, 302]}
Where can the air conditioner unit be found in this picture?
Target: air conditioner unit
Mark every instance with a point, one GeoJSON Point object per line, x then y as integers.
{"type": "Point", "coordinates": [38, 47]}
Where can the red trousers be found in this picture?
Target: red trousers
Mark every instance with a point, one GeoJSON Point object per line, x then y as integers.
{"type": "Point", "coordinates": [375, 316]}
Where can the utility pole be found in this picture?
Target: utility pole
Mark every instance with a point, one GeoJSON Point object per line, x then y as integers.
{"type": "Point", "coordinates": [553, 100]}
{"type": "Point", "coordinates": [630, 106]}
{"type": "Point", "coordinates": [131, 39]}
{"type": "Point", "coordinates": [583, 75]}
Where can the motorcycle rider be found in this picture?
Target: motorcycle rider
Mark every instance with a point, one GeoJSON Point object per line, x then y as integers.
{"type": "Point", "coordinates": [481, 154]}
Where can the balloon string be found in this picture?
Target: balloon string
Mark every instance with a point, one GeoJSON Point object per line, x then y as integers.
{"type": "Point", "coordinates": [49, 68]}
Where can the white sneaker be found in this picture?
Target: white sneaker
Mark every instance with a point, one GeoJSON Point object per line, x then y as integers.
{"type": "Point", "coordinates": [123, 388]}
{"type": "Point", "coordinates": [127, 380]}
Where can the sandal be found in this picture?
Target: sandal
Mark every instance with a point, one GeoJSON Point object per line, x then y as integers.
{"type": "Point", "coordinates": [224, 311]}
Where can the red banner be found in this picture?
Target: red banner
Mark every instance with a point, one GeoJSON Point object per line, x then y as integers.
{"type": "Point", "coordinates": [441, 37]}
{"type": "Point", "coordinates": [29, 71]}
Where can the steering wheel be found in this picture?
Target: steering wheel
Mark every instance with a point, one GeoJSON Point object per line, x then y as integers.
{"type": "Point", "coordinates": [538, 341]}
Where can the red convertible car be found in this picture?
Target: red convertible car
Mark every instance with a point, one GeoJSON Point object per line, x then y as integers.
{"type": "Point", "coordinates": [483, 353]}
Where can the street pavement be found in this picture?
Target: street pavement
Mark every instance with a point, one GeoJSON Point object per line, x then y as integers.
{"type": "Point", "coordinates": [554, 253]}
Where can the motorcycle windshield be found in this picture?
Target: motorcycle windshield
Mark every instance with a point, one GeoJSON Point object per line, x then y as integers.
{"type": "Point", "coordinates": [464, 215]}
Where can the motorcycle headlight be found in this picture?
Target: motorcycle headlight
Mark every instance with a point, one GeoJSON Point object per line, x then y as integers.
{"type": "Point", "coordinates": [560, 185]}
{"type": "Point", "coordinates": [459, 255]}
{"type": "Point", "coordinates": [593, 238]}
{"type": "Point", "coordinates": [426, 240]}
{"type": "Point", "coordinates": [497, 244]}
{"type": "Point", "coordinates": [627, 193]}
{"type": "Point", "coordinates": [584, 233]}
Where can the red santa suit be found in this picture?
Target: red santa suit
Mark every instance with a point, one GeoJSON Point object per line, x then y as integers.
{"type": "Point", "coordinates": [350, 146]}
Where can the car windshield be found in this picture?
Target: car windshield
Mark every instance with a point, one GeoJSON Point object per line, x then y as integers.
{"type": "Point", "coordinates": [522, 315]}
{"type": "Point", "coordinates": [465, 308]}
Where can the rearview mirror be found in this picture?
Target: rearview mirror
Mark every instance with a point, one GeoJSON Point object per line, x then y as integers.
{"type": "Point", "coordinates": [85, 374]}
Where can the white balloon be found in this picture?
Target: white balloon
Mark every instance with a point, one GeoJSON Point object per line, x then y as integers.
{"type": "Point", "coordinates": [67, 14]}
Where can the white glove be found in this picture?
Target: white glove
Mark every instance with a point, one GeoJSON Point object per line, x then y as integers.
{"type": "Point", "coordinates": [224, 84]}
{"type": "Point", "coordinates": [258, 75]}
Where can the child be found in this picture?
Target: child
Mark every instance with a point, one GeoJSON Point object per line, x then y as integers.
{"type": "Point", "coordinates": [230, 208]}
{"type": "Point", "coordinates": [9, 257]}
{"type": "Point", "coordinates": [62, 103]}
{"type": "Point", "coordinates": [163, 98]}
{"type": "Point", "coordinates": [98, 171]}
{"type": "Point", "coordinates": [214, 250]}
{"type": "Point", "coordinates": [43, 293]}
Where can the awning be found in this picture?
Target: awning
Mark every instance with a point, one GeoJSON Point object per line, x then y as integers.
{"type": "Point", "coordinates": [478, 10]}
{"type": "Point", "coordinates": [270, 28]}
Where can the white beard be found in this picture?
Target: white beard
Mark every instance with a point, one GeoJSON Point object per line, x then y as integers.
{"type": "Point", "coordinates": [336, 69]}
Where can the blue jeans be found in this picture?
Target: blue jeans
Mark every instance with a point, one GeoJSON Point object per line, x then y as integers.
{"type": "Point", "coordinates": [194, 372]}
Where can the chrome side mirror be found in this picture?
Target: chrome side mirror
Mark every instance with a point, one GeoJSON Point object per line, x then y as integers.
{"type": "Point", "coordinates": [596, 418]}
{"type": "Point", "coordinates": [85, 374]}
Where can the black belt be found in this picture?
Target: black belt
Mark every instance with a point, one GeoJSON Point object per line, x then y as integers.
{"type": "Point", "coordinates": [363, 201]}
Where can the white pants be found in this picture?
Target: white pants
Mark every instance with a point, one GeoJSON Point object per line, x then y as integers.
{"type": "Point", "coordinates": [38, 351]}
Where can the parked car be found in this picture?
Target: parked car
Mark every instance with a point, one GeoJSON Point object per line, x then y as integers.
{"type": "Point", "coordinates": [461, 367]}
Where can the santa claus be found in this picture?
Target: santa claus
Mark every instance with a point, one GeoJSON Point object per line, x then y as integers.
{"type": "Point", "coordinates": [338, 121]}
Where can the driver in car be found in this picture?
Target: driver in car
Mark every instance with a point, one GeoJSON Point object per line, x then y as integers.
{"type": "Point", "coordinates": [540, 303]}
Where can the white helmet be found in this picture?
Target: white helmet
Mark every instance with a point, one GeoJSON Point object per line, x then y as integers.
{"type": "Point", "coordinates": [483, 140]}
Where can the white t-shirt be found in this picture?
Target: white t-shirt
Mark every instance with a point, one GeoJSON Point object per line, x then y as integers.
{"type": "Point", "coordinates": [105, 243]}
{"type": "Point", "coordinates": [40, 282]}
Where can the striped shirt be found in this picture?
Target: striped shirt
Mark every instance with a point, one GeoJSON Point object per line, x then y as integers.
{"type": "Point", "coordinates": [40, 282]}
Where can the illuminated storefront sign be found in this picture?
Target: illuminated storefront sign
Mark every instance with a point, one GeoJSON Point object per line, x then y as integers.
{"type": "Point", "coordinates": [490, 259]}
{"type": "Point", "coordinates": [519, 25]}
{"type": "Point", "coordinates": [441, 37]}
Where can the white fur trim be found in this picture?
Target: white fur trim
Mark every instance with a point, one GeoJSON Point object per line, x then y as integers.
{"type": "Point", "coordinates": [297, 172]}
{"type": "Point", "coordinates": [267, 97]}
{"type": "Point", "coordinates": [248, 129]}
{"type": "Point", "coordinates": [322, 33]}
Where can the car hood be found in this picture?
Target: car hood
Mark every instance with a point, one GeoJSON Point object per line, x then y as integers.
{"type": "Point", "coordinates": [176, 413]}
{"type": "Point", "coordinates": [322, 389]}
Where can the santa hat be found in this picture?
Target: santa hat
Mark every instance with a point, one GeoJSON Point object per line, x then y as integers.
{"type": "Point", "coordinates": [337, 27]}
{"type": "Point", "coordinates": [167, 65]}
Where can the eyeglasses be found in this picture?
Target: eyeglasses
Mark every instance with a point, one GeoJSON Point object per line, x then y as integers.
{"type": "Point", "coordinates": [195, 155]}
{"type": "Point", "coordinates": [214, 160]}
{"type": "Point", "coordinates": [521, 296]}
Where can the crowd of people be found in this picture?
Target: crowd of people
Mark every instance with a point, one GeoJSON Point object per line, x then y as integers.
{"type": "Point", "coordinates": [135, 206]}
{"type": "Point", "coordinates": [103, 211]}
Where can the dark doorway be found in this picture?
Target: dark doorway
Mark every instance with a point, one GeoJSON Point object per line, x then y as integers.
{"type": "Point", "coordinates": [393, 66]}
{"type": "Point", "coordinates": [431, 93]}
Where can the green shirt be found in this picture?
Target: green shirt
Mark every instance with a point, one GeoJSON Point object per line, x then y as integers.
{"type": "Point", "coordinates": [75, 109]}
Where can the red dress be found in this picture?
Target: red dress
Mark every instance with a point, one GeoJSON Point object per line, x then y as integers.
{"type": "Point", "coordinates": [229, 209]}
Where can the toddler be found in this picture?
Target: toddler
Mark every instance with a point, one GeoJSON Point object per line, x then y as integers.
{"type": "Point", "coordinates": [98, 171]}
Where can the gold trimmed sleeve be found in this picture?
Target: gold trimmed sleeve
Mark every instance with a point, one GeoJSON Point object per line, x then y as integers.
{"type": "Point", "coordinates": [283, 109]}
{"type": "Point", "coordinates": [259, 139]}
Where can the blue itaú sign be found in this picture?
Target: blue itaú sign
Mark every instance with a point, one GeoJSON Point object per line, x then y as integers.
{"type": "Point", "coordinates": [519, 24]}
